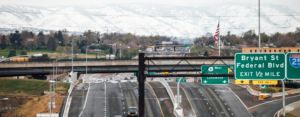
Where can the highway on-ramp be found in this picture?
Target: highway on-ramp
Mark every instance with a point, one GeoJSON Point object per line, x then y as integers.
{"type": "Point", "coordinates": [209, 101]}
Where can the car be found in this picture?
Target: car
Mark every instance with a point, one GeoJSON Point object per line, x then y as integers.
{"type": "Point", "coordinates": [132, 112]}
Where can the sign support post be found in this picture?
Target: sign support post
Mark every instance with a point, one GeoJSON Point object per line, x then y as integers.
{"type": "Point", "coordinates": [283, 99]}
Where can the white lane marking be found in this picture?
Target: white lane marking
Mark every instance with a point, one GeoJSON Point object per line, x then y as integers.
{"type": "Point", "coordinates": [86, 99]}
{"type": "Point", "coordinates": [271, 101]}
{"type": "Point", "coordinates": [237, 97]}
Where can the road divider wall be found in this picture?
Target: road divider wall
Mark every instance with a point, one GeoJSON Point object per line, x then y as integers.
{"type": "Point", "coordinates": [279, 94]}
{"type": "Point", "coordinates": [254, 92]}
{"type": "Point", "coordinates": [176, 112]}
{"type": "Point", "coordinates": [68, 103]}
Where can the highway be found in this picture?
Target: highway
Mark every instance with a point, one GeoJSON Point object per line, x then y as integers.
{"type": "Point", "coordinates": [209, 101]}
{"type": "Point", "coordinates": [108, 99]}
{"type": "Point", "coordinates": [164, 98]}
{"type": "Point", "coordinates": [270, 109]}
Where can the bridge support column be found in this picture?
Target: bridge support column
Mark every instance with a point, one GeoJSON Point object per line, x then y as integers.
{"type": "Point", "coordinates": [141, 80]}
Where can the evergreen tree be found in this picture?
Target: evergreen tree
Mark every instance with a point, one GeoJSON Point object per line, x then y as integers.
{"type": "Point", "coordinates": [41, 39]}
{"type": "Point", "coordinates": [3, 42]}
{"type": "Point", "coordinates": [23, 53]}
{"type": "Point", "coordinates": [51, 44]}
{"type": "Point", "coordinates": [12, 53]}
{"type": "Point", "coordinates": [60, 37]}
{"type": "Point", "coordinates": [44, 57]}
{"type": "Point", "coordinates": [15, 37]}
{"type": "Point", "coordinates": [205, 53]}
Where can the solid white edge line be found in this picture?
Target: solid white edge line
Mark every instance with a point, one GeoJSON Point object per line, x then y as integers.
{"type": "Point", "coordinates": [276, 113]}
{"type": "Point", "coordinates": [237, 97]}
{"type": "Point", "coordinates": [272, 101]}
{"type": "Point", "coordinates": [85, 99]}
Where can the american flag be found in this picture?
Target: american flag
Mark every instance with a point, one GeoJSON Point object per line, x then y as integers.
{"type": "Point", "coordinates": [217, 36]}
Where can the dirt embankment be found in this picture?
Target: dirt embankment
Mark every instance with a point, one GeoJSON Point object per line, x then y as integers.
{"type": "Point", "coordinates": [26, 98]}
{"type": "Point", "coordinates": [36, 105]}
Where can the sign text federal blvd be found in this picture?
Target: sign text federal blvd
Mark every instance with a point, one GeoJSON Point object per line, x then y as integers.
{"type": "Point", "coordinates": [216, 69]}
{"type": "Point", "coordinates": [260, 66]}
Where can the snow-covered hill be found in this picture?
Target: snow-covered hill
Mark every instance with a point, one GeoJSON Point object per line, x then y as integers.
{"type": "Point", "coordinates": [187, 21]}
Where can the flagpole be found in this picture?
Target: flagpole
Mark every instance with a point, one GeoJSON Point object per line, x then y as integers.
{"type": "Point", "coordinates": [219, 36]}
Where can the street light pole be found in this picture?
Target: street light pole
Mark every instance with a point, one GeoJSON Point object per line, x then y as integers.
{"type": "Point", "coordinates": [72, 53]}
{"type": "Point", "coordinates": [86, 60]}
{"type": "Point", "coordinates": [16, 46]}
{"type": "Point", "coordinates": [30, 44]}
{"type": "Point", "coordinates": [178, 84]}
{"type": "Point", "coordinates": [283, 99]}
{"type": "Point", "coordinates": [120, 51]}
{"type": "Point", "coordinates": [82, 100]}
{"type": "Point", "coordinates": [59, 49]}
{"type": "Point", "coordinates": [129, 52]}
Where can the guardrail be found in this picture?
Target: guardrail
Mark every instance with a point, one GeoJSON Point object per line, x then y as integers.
{"type": "Point", "coordinates": [62, 108]}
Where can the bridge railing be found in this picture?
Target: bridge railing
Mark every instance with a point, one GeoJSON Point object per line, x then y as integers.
{"type": "Point", "coordinates": [176, 112]}
{"type": "Point", "coordinates": [162, 81]}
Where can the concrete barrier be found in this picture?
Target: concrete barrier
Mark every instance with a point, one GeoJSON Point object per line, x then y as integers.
{"type": "Point", "coordinates": [279, 94]}
{"type": "Point", "coordinates": [176, 112]}
{"type": "Point", "coordinates": [254, 92]}
{"type": "Point", "coordinates": [47, 115]}
{"type": "Point", "coordinates": [67, 107]}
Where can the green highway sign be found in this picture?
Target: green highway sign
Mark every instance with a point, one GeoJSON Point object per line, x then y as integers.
{"type": "Point", "coordinates": [214, 80]}
{"type": "Point", "coordinates": [216, 69]}
{"type": "Point", "coordinates": [264, 86]}
{"type": "Point", "coordinates": [134, 74]}
{"type": "Point", "coordinates": [292, 65]}
{"type": "Point", "coordinates": [260, 66]}
{"type": "Point", "coordinates": [182, 80]}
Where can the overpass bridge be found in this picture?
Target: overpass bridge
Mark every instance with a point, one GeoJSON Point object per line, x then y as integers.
{"type": "Point", "coordinates": [108, 66]}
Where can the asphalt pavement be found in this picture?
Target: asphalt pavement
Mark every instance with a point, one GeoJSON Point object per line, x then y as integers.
{"type": "Point", "coordinates": [270, 109]}
{"type": "Point", "coordinates": [106, 99]}
{"type": "Point", "coordinates": [164, 98]}
{"type": "Point", "coordinates": [209, 101]}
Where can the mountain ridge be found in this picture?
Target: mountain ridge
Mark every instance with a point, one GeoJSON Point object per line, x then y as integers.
{"type": "Point", "coordinates": [169, 20]}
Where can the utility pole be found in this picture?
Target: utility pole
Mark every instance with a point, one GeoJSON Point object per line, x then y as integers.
{"type": "Point", "coordinates": [120, 51]}
{"type": "Point", "coordinates": [259, 34]}
{"type": "Point", "coordinates": [259, 25]}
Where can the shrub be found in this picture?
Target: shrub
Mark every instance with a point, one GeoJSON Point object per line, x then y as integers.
{"type": "Point", "coordinates": [280, 90]}
{"type": "Point", "coordinates": [270, 91]}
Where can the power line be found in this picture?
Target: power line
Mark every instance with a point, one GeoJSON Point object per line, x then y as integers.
{"type": "Point", "coordinates": [103, 15]}
{"type": "Point", "coordinates": [20, 25]}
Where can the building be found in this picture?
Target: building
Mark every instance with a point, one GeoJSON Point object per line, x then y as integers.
{"type": "Point", "coordinates": [270, 50]}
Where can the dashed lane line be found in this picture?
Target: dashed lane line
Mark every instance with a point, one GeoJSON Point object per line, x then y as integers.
{"type": "Point", "coordinates": [85, 99]}
{"type": "Point", "coordinates": [188, 100]}
{"type": "Point", "coordinates": [156, 99]}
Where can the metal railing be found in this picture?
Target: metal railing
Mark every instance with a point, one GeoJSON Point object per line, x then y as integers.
{"type": "Point", "coordinates": [62, 108]}
{"type": "Point", "coordinates": [162, 81]}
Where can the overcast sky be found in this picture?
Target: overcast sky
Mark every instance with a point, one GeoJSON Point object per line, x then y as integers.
{"type": "Point", "coordinates": [293, 4]}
